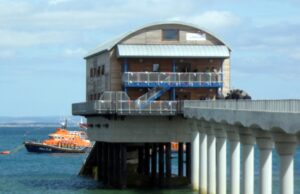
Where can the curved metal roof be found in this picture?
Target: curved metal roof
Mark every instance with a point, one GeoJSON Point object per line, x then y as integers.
{"type": "Point", "coordinates": [107, 46]}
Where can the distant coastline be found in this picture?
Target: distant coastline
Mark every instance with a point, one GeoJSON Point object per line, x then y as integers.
{"type": "Point", "coordinates": [48, 121]}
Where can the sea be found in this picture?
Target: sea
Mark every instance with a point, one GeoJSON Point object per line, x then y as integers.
{"type": "Point", "coordinates": [23, 172]}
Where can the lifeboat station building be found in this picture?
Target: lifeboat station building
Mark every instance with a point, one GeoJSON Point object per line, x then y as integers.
{"type": "Point", "coordinates": [135, 85]}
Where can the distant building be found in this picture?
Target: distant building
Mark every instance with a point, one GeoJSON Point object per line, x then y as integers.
{"type": "Point", "coordinates": [162, 61]}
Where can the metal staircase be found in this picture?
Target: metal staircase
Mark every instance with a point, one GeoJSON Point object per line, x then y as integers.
{"type": "Point", "coordinates": [153, 94]}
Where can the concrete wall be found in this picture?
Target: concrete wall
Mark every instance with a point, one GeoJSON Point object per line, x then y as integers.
{"type": "Point", "coordinates": [140, 129]}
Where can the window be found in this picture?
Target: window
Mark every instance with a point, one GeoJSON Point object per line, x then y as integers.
{"type": "Point", "coordinates": [98, 71]}
{"type": "Point", "coordinates": [91, 72]}
{"type": "Point", "coordinates": [155, 67]}
{"type": "Point", "coordinates": [170, 34]}
{"type": "Point", "coordinates": [103, 70]}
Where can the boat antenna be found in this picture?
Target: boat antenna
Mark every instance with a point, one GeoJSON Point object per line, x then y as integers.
{"type": "Point", "coordinates": [64, 124]}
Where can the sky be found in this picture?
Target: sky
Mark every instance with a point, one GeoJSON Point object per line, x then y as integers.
{"type": "Point", "coordinates": [42, 45]}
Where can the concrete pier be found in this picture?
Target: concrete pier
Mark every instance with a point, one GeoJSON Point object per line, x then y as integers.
{"type": "Point", "coordinates": [195, 161]}
{"type": "Point", "coordinates": [205, 151]}
{"type": "Point", "coordinates": [203, 162]}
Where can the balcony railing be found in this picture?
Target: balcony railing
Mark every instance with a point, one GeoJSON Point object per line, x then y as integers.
{"type": "Point", "coordinates": [170, 79]}
{"type": "Point", "coordinates": [126, 107]}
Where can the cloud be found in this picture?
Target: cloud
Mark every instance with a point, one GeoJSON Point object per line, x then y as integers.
{"type": "Point", "coordinates": [19, 39]}
{"type": "Point", "coordinates": [56, 2]}
{"type": "Point", "coordinates": [77, 52]}
{"type": "Point", "coordinates": [213, 20]}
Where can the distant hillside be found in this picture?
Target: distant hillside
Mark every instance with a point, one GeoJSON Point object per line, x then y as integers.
{"type": "Point", "coordinates": [38, 121]}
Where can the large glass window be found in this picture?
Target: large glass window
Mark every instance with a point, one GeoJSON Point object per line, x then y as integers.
{"type": "Point", "coordinates": [170, 34]}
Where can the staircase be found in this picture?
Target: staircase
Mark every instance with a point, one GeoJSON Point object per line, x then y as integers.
{"type": "Point", "coordinates": [154, 93]}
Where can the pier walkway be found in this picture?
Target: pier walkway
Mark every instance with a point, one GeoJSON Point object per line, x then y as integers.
{"type": "Point", "coordinates": [270, 124]}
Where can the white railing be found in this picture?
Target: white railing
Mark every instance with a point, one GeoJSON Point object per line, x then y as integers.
{"type": "Point", "coordinates": [170, 77]}
{"type": "Point", "coordinates": [146, 107]}
{"type": "Point", "coordinates": [93, 107]}
{"type": "Point", "coordinates": [125, 107]}
{"type": "Point", "coordinates": [290, 106]}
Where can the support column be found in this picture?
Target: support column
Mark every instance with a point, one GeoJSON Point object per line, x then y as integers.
{"type": "Point", "coordinates": [154, 161]}
{"type": "Point", "coordinates": [248, 141]}
{"type": "Point", "coordinates": [221, 161]}
{"type": "Point", "coordinates": [102, 173]}
{"type": "Point", "coordinates": [235, 161]}
{"type": "Point", "coordinates": [203, 162]}
{"type": "Point", "coordinates": [211, 143]}
{"type": "Point", "coordinates": [99, 160]}
{"type": "Point", "coordinates": [141, 159]}
{"type": "Point", "coordinates": [195, 161]}
{"type": "Point", "coordinates": [147, 160]}
{"type": "Point", "coordinates": [180, 159]}
{"type": "Point", "coordinates": [123, 164]}
{"type": "Point", "coordinates": [286, 145]}
{"type": "Point", "coordinates": [188, 152]}
{"type": "Point", "coordinates": [111, 165]}
{"type": "Point", "coordinates": [265, 144]}
{"type": "Point", "coordinates": [114, 164]}
{"type": "Point", "coordinates": [118, 165]}
{"type": "Point", "coordinates": [105, 164]}
{"type": "Point", "coordinates": [168, 160]}
{"type": "Point", "coordinates": [161, 163]}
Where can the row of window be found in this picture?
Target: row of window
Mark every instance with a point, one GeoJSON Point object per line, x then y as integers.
{"type": "Point", "coordinates": [97, 71]}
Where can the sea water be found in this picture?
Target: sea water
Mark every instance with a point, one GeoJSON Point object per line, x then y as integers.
{"type": "Point", "coordinates": [23, 172]}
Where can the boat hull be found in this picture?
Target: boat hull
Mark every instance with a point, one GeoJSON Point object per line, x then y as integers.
{"type": "Point", "coordinates": [43, 148]}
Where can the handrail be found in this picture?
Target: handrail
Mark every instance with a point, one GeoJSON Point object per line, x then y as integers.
{"type": "Point", "coordinates": [127, 107]}
{"type": "Point", "coordinates": [171, 77]}
{"type": "Point", "coordinates": [287, 106]}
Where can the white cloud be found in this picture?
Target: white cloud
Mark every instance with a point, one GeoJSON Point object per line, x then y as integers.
{"type": "Point", "coordinates": [213, 20]}
{"type": "Point", "coordinates": [12, 8]}
{"type": "Point", "coordinates": [56, 2]}
{"type": "Point", "coordinates": [77, 52]}
{"type": "Point", "coordinates": [295, 53]}
{"type": "Point", "coordinates": [15, 39]}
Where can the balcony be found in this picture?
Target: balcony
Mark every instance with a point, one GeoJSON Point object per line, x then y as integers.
{"type": "Point", "coordinates": [170, 79]}
{"type": "Point", "coordinates": [126, 107]}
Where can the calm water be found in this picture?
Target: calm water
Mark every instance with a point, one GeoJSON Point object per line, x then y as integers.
{"type": "Point", "coordinates": [23, 172]}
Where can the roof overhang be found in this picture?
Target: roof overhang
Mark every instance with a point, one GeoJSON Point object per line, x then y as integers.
{"type": "Point", "coordinates": [172, 51]}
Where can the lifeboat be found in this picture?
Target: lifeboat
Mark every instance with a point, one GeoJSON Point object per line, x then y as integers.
{"type": "Point", "coordinates": [61, 141]}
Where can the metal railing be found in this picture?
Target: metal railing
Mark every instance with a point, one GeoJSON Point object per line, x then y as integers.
{"type": "Point", "coordinates": [171, 77]}
{"type": "Point", "coordinates": [125, 107]}
{"type": "Point", "coordinates": [93, 107]}
{"type": "Point", "coordinates": [146, 107]}
{"type": "Point", "coordinates": [286, 106]}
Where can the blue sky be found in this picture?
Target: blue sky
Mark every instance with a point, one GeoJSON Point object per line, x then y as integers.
{"type": "Point", "coordinates": [42, 44]}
